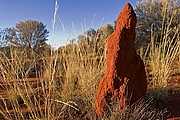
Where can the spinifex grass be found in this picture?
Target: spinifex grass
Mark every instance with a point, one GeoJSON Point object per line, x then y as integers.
{"type": "Point", "coordinates": [29, 98]}
{"type": "Point", "coordinates": [141, 110]}
{"type": "Point", "coordinates": [164, 50]}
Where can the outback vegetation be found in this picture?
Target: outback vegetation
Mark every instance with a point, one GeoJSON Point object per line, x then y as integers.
{"type": "Point", "coordinates": [39, 82]}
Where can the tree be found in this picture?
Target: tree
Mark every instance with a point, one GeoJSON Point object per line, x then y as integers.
{"type": "Point", "coordinates": [31, 34]}
{"type": "Point", "coordinates": [90, 33]}
{"type": "Point", "coordinates": [155, 15]}
{"type": "Point", "coordinates": [107, 30]}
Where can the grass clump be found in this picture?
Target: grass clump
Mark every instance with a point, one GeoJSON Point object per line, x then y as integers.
{"type": "Point", "coordinates": [144, 109]}
{"type": "Point", "coordinates": [163, 54]}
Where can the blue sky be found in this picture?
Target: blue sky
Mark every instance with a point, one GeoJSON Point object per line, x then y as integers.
{"type": "Point", "coordinates": [76, 15]}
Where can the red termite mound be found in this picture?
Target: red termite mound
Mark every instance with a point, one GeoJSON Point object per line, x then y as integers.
{"type": "Point", "coordinates": [125, 78]}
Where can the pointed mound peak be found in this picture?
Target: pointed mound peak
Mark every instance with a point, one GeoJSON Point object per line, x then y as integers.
{"type": "Point", "coordinates": [128, 8]}
{"type": "Point", "coordinates": [127, 17]}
